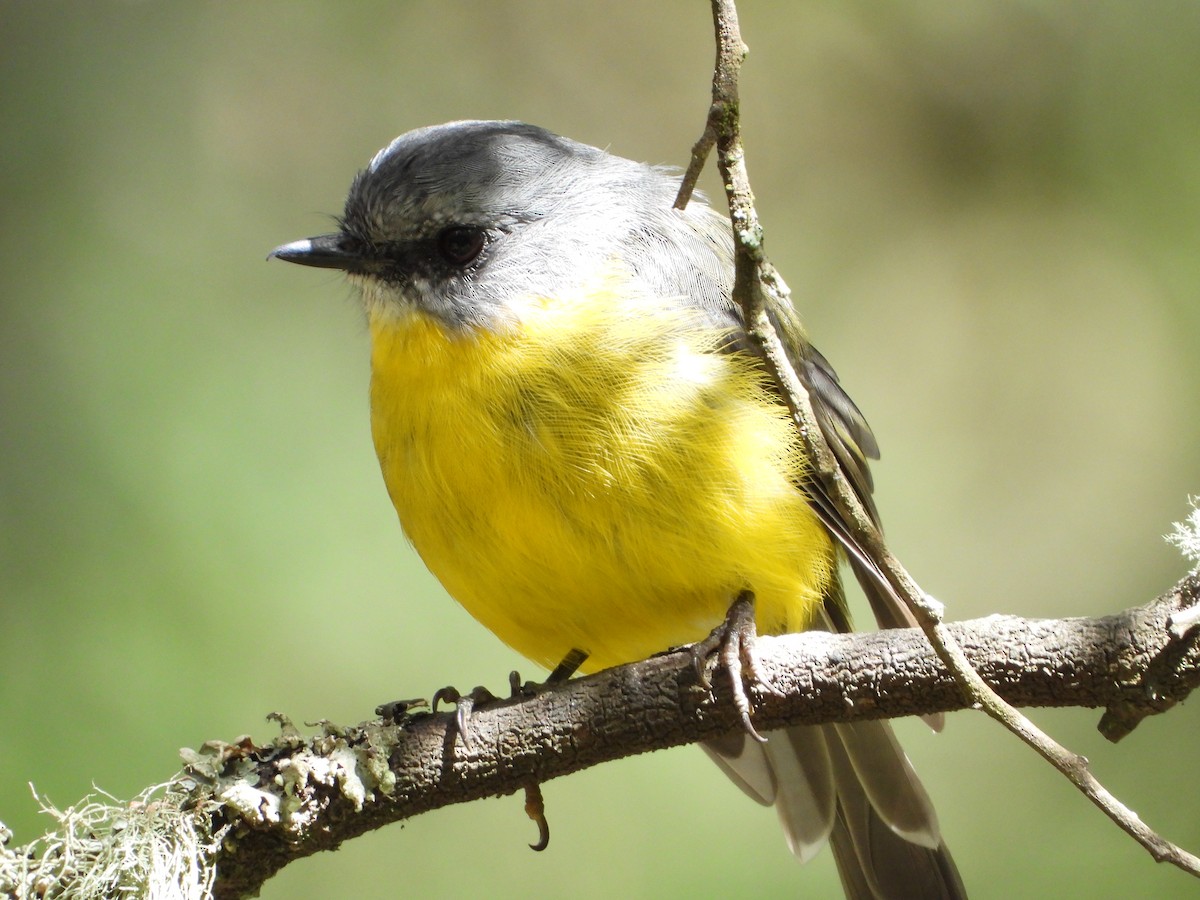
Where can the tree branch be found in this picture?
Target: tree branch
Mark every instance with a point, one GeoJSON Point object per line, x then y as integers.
{"type": "Point", "coordinates": [317, 793]}
{"type": "Point", "coordinates": [246, 811]}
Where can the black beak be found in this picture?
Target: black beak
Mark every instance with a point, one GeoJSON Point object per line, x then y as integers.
{"type": "Point", "coordinates": [325, 251]}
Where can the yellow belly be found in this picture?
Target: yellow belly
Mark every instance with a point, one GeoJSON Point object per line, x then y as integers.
{"type": "Point", "coordinates": [599, 476]}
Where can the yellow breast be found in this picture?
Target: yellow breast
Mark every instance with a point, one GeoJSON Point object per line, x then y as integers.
{"type": "Point", "coordinates": [596, 476]}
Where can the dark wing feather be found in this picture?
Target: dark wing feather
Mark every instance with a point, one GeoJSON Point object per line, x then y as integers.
{"type": "Point", "coordinates": [853, 444]}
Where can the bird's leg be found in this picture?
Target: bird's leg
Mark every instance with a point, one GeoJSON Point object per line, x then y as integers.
{"type": "Point", "coordinates": [569, 666]}
{"type": "Point", "coordinates": [733, 643]}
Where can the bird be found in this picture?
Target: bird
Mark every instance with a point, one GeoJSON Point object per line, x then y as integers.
{"type": "Point", "coordinates": [582, 447]}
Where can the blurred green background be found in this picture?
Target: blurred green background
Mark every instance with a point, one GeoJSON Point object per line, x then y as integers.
{"type": "Point", "coordinates": [989, 213]}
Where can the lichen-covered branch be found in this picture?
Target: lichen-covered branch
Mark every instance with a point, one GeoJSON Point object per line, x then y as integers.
{"type": "Point", "coordinates": [247, 810]}
{"type": "Point", "coordinates": [316, 794]}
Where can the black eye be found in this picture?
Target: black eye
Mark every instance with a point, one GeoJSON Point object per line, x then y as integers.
{"type": "Point", "coordinates": [459, 244]}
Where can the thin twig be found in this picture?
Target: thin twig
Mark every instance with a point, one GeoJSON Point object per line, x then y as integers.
{"type": "Point", "coordinates": [755, 279]}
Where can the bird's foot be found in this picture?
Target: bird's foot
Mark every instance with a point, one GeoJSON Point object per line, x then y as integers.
{"type": "Point", "coordinates": [732, 642]}
{"type": "Point", "coordinates": [397, 711]}
{"type": "Point", "coordinates": [464, 704]}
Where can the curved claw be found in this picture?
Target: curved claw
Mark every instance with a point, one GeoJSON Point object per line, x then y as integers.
{"type": "Point", "coordinates": [448, 694]}
{"type": "Point", "coordinates": [462, 716]}
{"type": "Point", "coordinates": [535, 808]}
{"type": "Point", "coordinates": [464, 705]}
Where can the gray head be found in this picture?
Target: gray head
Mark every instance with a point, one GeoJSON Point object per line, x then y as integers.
{"type": "Point", "coordinates": [460, 219]}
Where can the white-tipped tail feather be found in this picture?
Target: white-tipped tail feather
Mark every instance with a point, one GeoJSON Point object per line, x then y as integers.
{"type": "Point", "coordinates": [853, 785]}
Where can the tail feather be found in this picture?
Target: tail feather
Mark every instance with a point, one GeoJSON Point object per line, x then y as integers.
{"type": "Point", "coordinates": [792, 771]}
{"type": "Point", "coordinates": [806, 797]}
{"type": "Point", "coordinates": [744, 762]}
{"type": "Point", "coordinates": [881, 769]}
{"type": "Point", "coordinates": [877, 863]}
{"type": "Point", "coordinates": [853, 785]}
